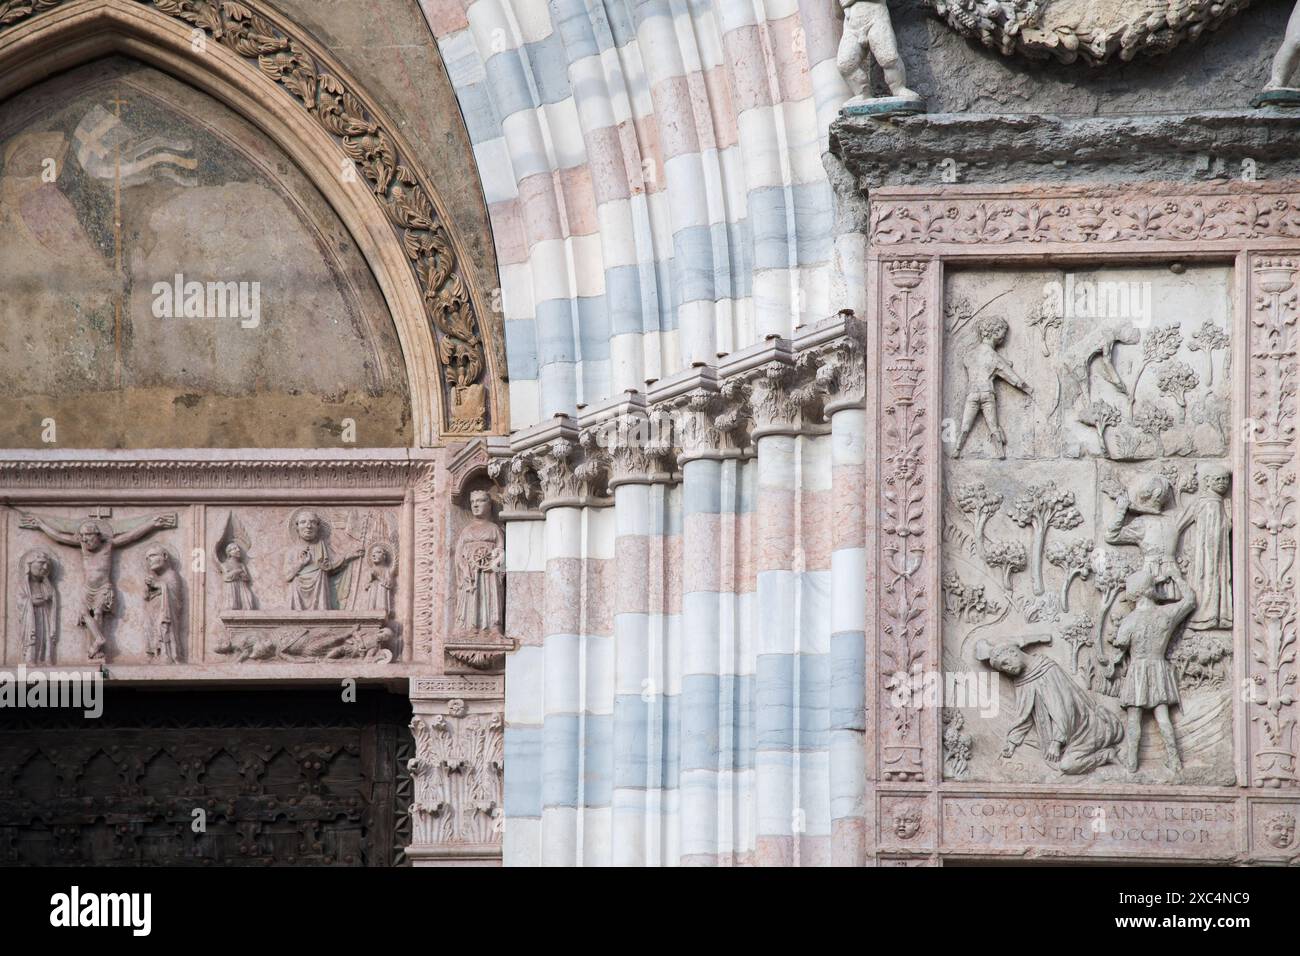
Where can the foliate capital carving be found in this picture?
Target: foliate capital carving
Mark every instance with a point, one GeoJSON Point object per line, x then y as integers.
{"type": "Point", "coordinates": [709, 422]}
{"type": "Point", "coordinates": [516, 483]}
{"type": "Point", "coordinates": [839, 366]}
{"type": "Point", "coordinates": [634, 447]}
{"type": "Point", "coordinates": [777, 399]}
{"type": "Point", "coordinates": [457, 774]}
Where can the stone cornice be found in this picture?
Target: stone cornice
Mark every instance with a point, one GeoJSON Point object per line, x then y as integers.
{"type": "Point", "coordinates": [1058, 149]}
{"type": "Point", "coordinates": [218, 472]}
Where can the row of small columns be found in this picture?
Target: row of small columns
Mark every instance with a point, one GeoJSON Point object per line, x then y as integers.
{"type": "Point", "coordinates": [696, 429]}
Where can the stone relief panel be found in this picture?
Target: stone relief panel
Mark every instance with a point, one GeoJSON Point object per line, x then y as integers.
{"type": "Point", "coordinates": [216, 563]}
{"type": "Point", "coordinates": [305, 584]}
{"type": "Point", "coordinates": [1087, 525]}
{"type": "Point", "coordinates": [95, 584]}
{"type": "Point", "coordinates": [476, 637]}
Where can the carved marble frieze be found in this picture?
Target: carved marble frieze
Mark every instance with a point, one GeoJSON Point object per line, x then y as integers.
{"type": "Point", "coordinates": [170, 563]}
{"type": "Point", "coordinates": [1087, 516]}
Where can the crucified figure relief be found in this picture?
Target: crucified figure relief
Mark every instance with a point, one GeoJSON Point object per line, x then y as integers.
{"type": "Point", "coordinates": [96, 539]}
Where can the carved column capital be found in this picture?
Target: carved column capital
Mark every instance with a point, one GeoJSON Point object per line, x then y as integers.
{"type": "Point", "coordinates": [632, 442]}
{"type": "Point", "coordinates": [457, 778]}
{"type": "Point", "coordinates": [516, 483]}
{"type": "Point", "coordinates": [708, 422]}
{"type": "Point", "coordinates": [833, 354]}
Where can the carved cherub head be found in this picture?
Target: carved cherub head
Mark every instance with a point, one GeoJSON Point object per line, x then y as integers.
{"type": "Point", "coordinates": [379, 555]}
{"type": "Point", "coordinates": [991, 329]}
{"type": "Point", "coordinates": [91, 535]}
{"type": "Point", "coordinates": [907, 822]}
{"type": "Point", "coordinates": [1279, 829]}
{"type": "Point", "coordinates": [480, 503]}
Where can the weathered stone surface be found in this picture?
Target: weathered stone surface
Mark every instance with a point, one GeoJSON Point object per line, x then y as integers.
{"type": "Point", "coordinates": [934, 148]}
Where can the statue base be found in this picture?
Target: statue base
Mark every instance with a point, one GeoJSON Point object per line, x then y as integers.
{"type": "Point", "coordinates": [478, 650]}
{"type": "Point", "coordinates": [1285, 96]}
{"type": "Point", "coordinates": [884, 106]}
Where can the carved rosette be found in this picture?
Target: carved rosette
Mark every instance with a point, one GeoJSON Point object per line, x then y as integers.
{"type": "Point", "coordinates": [906, 551]}
{"type": "Point", "coordinates": [1271, 449]}
{"type": "Point", "coordinates": [457, 773]}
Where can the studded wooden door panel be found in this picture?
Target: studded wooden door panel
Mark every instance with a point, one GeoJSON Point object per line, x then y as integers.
{"type": "Point", "coordinates": [207, 778]}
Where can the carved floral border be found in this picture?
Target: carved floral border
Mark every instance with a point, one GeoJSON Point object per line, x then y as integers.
{"type": "Point", "coordinates": [1091, 216]}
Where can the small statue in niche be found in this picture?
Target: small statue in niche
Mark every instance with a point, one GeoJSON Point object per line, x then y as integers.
{"type": "Point", "coordinates": [869, 30]}
{"type": "Point", "coordinates": [236, 585]}
{"type": "Point", "coordinates": [479, 556]}
{"type": "Point", "coordinates": [232, 557]}
{"type": "Point", "coordinates": [96, 539]}
{"type": "Point", "coordinates": [983, 367]}
{"type": "Point", "coordinates": [1075, 732]}
{"type": "Point", "coordinates": [309, 564]}
{"type": "Point", "coordinates": [1210, 558]}
{"type": "Point", "coordinates": [1150, 683]}
{"type": "Point", "coordinates": [1276, 92]}
{"type": "Point", "coordinates": [162, 596]}
{"type": "Point", "coordinates": [38, 613]}
{"type": "Point", "coordinates": [381, 580]}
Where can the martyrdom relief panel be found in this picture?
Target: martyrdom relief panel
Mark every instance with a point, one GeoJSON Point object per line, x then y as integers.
{"type": "Point", "coordinates": [1088, 524]}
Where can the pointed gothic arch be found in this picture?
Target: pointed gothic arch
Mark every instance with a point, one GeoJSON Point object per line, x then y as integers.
{"type": "Point", "coordinates": [278, 78]}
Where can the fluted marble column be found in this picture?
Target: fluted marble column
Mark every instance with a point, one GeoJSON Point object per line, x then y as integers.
{"type": "Point", "coordinates": [792, 825]}
{"type": "Point", "coordinates": [837, 347]}
{"type": "Point", "coordinates": [636, 445]}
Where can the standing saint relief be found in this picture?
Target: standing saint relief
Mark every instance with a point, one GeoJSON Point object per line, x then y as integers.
{"type": "Point", "coordinates": [477, 637]}
{"type": "Point", "coordinates": [1087, 523]}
